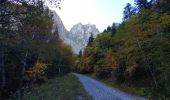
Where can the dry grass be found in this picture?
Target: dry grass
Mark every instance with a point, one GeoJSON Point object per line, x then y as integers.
{"type": "Point", "coordinates": [66, 87]}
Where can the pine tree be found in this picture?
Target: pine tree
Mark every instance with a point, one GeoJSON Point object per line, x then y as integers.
{"type": "Point", "coordinates": [113, 29]}
{"type": "Point", "coordinates": [109, 29]}
{"type": "Point", "coordinates": [143, 4]}
{"type": "Point", "coordinates": [80, 54]}
{"type": "Point", "coordinates": [129, 11]}
{"type": "Point", "coordinates": [91, 38]}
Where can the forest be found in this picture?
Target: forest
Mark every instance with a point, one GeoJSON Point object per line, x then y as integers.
{"type": "Point", "coordinates": [135, 52]}
{"type": "Point", "coordinates": [29, 51]}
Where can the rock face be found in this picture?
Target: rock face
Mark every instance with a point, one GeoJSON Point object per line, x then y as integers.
{"type": "Point", "coordinates": [77, 37]}
{"type": "Point", "coordinates": [58, 26]}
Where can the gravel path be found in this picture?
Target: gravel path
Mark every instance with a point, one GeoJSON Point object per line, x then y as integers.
{"type": "Point", "coordinates": [100, 91]}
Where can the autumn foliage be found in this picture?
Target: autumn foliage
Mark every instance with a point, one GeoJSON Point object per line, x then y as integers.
{"type": "Point", "coordinates": [137, 53]}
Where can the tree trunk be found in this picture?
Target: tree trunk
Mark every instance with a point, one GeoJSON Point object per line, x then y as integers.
{"type": "Point", "coordinates": [2, 68]}
{"type": "Point", "coordinates": [147, 62]}
{"type": "Point", "coordinates": [19, 91]}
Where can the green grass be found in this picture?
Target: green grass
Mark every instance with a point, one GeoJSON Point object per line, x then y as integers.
{"type": "Point", "coordinates": [123, 87]}
{"type": "Point", "coordinates": [65, 87]}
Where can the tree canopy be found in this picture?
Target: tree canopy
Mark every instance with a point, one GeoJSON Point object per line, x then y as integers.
{"type": "Point", "coordinates": [138, 53]}
{"type": "Point", "coordinates": [29, 51]}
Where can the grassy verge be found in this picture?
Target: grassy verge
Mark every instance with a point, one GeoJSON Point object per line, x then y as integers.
{"type": "Point", "coordinates": [66, 87]}
{"type": "Point", "coordinates": [129, 89]}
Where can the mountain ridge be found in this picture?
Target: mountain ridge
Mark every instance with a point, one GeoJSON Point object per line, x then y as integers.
{"type": "Point", "coordinates": [78, 35]}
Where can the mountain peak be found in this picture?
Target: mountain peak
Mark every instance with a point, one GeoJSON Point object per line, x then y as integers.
{"type": "Point", "coordinates": [78, 35]}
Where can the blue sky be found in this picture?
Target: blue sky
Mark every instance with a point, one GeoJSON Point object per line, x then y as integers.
{"type": "Point", "coordinates": [99, 12]}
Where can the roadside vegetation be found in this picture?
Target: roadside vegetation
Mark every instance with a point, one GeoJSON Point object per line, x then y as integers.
{"type": "Point", "coordinates": [135, 53]}
{"type": "Point", "coordinates": [66, 87]}
{"type": "Point", "coordinates": [29, 51]}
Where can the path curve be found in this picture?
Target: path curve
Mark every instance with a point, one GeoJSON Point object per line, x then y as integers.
{"type": "Point", "coordinates": [100, 91]}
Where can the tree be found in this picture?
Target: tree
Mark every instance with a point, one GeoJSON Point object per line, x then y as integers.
{"type": "Point", "coordinates": [138, 53]}
{"type": "Point", "coordinates": [129, 11]}
{"type": "Point", "coordinates": [37, 70]}
{"type": "Point", "coordinates": [26, 34]}
{"type": "Point", "coordinates": [113, 29]}
{"type": "Point", "coordinates": [56, 3]}
{"type": "Point", "coordinates": [80, 54]}
{"type": "Point", "coordinates": [109, 29]}
{"type": "Point", "coordinates": [106, 65]}
{"type": "Point", "coordinates": [161, 6]}
{"type": "Point", "coordinates": [91, 38]}
{"type": "Point", "coordinates": [105, 30]}
{"type": "Point", "coordinates": [143, 4]}
{"type": "Point", "coordinates": [86, 68]}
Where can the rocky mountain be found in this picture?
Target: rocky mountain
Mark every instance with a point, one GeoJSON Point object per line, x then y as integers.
{"type": "Point", "coordinates": [58, 26]}
{"type": "Point", "coordinates": [77, 37]}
